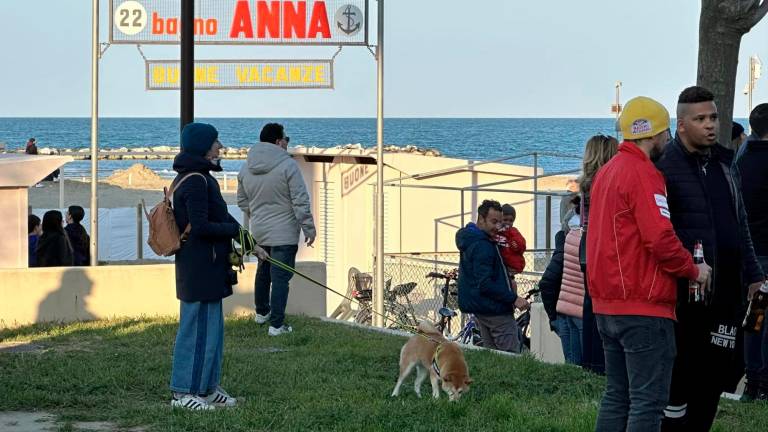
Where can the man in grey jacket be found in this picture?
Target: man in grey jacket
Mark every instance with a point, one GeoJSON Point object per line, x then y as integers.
{"type": "Point", "coordinates": [271, 188]}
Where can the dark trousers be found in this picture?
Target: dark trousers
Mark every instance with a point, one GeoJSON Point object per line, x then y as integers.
{"type": "Point", "coordinates": [756, 350]}
{"type": "Point", "coordinates": [592, 356]}
{"type": "Point", "coordinates": [705, 366]}
{"type": "Point", "coordinates": [639, 354]}
{"type": "Point", "coordinates": [499, 332]}
{"type": "Point", "coordinates": [271, 293]}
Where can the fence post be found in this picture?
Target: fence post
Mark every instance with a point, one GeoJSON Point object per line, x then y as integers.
{"type": "Point", "coordinates": [548, 224]}
{"type": "Point", "coordinates": [535, 200]}
{"type": "Point", "coordinates": [226, 186]}
{"type": "Point", "coordinates": [139, 232]}
{"type": "Point", "coordinates": [61, 188]}
{"type": "Point", "coordinates": [247, 225]}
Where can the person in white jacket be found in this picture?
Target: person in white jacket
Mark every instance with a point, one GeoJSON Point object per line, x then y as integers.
{"type": "Point", "coordinates": [271, 188]}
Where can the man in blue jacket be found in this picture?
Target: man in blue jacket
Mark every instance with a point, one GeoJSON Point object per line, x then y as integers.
{"type": "Point", "coordinates": [484, 288]}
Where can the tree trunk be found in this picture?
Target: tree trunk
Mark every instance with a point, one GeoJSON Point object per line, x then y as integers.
{"type": "Point", "coordinates": [721, 25]}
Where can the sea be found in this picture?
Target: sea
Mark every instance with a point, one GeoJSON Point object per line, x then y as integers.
{"type": "Point", "coordinates": [466, 138]}
{"type": "Point", "coordinates": [562, 139]}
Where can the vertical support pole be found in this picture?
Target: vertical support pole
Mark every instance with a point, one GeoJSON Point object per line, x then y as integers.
{"type": "Point", "coordinates": [462, 209]}
{"type": "Point", "coordinates": [139, 232]}
{"type": "Point", "coordinates": [548, 223]}
{"type": "Point", "coordinates": [95, 54]}
{"type": "Point", "coordinates": [535, 200]}
{"type": "Point", "coordinates": [380, 284]}
{"type": "Point", "coordinates": [750, 86]}
{"type": "Point", "coordinates": [247, 225]}
{"type": "Point", "coordinates": [187, 62]}
{"type": "Point", "coordinates": [61, 188]}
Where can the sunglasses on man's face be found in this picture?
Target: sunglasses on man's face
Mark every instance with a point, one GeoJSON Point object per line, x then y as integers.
{"type": "Point", "coordinates": [287, 139]}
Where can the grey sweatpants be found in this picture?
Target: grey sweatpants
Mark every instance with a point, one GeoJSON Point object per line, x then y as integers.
{"type": "Point", "coordinates": [499, 332]}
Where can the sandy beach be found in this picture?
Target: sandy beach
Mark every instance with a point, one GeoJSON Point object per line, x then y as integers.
{"type": "Point", "coordinates": [124, 188]}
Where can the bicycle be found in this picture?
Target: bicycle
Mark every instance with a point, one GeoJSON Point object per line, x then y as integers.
{"type": "Point", "coordinates": [469, 333]}
{"type": "Point", "coordinates": [402, 316]}
{"type": "Point", "coordinates": [524, 321]}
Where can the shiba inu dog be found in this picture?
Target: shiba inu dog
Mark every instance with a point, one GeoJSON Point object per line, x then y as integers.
{"type": "Point", "coordinates": [430, 353]}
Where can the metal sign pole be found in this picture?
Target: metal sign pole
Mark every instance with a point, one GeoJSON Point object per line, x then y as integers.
{"type": "Point", "coordinates": [95, 53]}
{"type": "Point", "coordinates": [380, 285]}
{"type": "Point", "coordinates": [187, 66]}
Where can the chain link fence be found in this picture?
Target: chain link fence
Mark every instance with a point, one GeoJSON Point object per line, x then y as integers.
{"type": "Point", "coordinates": [426, 298]}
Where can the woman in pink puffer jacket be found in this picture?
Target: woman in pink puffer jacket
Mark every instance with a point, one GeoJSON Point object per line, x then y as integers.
{"type": "Point", "coordinates": [571, 300]}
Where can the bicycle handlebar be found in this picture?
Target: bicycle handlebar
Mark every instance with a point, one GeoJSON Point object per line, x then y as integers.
{"type": "Point", "coordinates": [531, 293]}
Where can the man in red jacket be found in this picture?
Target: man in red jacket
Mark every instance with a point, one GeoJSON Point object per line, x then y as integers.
{"type": "Point", "coordinates": [633, 260]}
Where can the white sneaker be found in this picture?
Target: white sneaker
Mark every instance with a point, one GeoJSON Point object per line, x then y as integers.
{"type": "Point", "coordinates": [262, 319]}
{"type": "Point", "coordinates": [280, 330]}
{"type": "Point", "coordinates": [190, 402]}
{"type": "Point", "coordinates": [220, 398]}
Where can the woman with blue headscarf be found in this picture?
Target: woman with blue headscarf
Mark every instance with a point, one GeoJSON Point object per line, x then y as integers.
{"type": "Point", "coordinates": [204, 275]}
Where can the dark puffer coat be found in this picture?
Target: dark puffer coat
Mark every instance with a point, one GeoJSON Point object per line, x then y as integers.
{"type": "Point", "coordinates": [202, 263]}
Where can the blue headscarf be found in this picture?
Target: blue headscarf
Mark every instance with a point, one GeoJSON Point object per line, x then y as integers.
{"type": "Point", "coordinates": [197, 138]}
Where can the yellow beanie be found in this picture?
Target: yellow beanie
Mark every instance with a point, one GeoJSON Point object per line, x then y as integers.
{"type": "Point", "coordinates": [643, 117]}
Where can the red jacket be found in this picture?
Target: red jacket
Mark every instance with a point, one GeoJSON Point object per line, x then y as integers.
{"type": "Point", "coordinates": [512, 246]}
{"type": "Point", "coordinates": [633, 255]}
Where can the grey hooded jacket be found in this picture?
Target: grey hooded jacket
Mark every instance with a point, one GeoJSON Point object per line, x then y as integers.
{"type": "Point", "coordinates": [270, 186]}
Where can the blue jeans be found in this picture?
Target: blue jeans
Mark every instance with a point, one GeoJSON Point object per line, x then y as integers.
{"type": "Point", "coordinates": [271, 293]}
{"type": "Point", "coordinates": [199, 348]}
{"type": "Point", "coordinates": [639, 354]}
{"type": "Point", "coordinates": [756, 349]}
{"type": "Point", "coordinates": [570, 331]}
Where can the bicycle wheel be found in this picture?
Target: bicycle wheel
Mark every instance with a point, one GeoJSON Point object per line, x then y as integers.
{"type": "Point", "coordinates": [364, 316]}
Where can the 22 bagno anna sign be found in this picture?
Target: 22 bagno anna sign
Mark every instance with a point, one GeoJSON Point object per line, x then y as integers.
{"type": "Point", "coordinates": [251, 22]}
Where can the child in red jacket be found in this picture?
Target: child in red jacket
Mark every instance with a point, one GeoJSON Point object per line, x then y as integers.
{"type": "Point", "coordinates": [511, 242]}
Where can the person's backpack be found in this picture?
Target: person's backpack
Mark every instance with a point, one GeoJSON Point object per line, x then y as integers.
{"type": "Point", "coordinates": [164, 237]}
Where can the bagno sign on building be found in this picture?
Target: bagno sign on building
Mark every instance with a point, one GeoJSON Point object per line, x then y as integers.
{"type": "Point", "coordinates": [231, 22]}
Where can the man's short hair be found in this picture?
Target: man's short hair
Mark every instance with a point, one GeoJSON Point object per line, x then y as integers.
{"type": "Point", "coordinates": [488, 205]}
{"type": "Point", "coordinates": [272, 132]}
{"type": "Point", "coordinates": [758, 120]}
{"type": "Point", "coordinates": [692, 95]}
{"type": "Point", "coordinates": [736, 130]}
{"type": "Point", "coordinates": [32, 223]}
{"type": "Point", "coordinates": [77, 213]}
{"type": "Point", "coordinates": [695, 94]}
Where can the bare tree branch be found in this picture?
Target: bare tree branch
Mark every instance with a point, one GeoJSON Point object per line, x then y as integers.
{"type": "Point", "coordinates": [759, 13]}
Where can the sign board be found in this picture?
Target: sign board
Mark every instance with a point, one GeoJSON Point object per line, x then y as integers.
{"type": "Point", "coordinates": [243, 74]}
{"type": "Point", "coordinates": [356, 176]}
{"type": "Point", "coordinates": [249, 22]}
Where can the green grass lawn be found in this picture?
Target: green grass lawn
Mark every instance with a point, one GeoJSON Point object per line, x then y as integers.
{"type": "Point", "coordinates": [324, 376]}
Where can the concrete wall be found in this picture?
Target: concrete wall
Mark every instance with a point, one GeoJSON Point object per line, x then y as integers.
{"type": "Point", "coordinates": [71, 293]}
{"type": "Point", "coordinates": [545, 344]}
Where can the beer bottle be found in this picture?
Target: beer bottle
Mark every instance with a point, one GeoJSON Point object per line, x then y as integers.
{"type": "Point", "coordinates": [755, 318]}
{"type": "Point", "coordinates": [695, 290]}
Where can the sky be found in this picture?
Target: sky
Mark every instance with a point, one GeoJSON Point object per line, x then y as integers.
{"type": "Point", "coordinates": [443, 58]}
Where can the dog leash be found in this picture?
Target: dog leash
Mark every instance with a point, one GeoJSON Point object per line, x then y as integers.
{"type": "Point", "coordinates": [413, 329]}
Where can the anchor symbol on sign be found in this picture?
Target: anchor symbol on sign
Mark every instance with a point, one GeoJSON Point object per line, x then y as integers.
{"type": "Point", "coordinates": [349, 14]}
